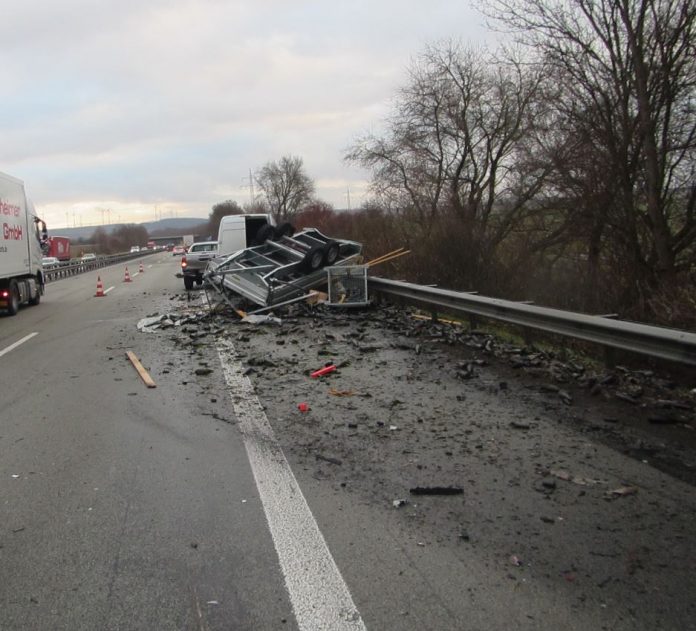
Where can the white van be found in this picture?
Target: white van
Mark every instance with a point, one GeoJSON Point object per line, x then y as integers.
{"type": "Point", "coordinates": [237, 232]}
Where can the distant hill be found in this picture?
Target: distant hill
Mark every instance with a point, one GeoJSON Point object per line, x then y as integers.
{"type": "Point", "coordinates": [174, 224]}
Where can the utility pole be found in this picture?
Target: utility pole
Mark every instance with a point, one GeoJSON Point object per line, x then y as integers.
{"type": "Point", "coordinates": [348, 196]}
{"type": "Point", "coordinates": [251, 186]}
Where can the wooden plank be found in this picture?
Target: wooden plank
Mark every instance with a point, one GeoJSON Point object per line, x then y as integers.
{"type": "Point", "coordinates": [141, 370]}
{"type": "Point", "coordinates": [387, 259]}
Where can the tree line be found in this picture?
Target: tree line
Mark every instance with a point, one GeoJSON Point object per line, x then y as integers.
{"type": "Point", "coordinates": [559, 169]}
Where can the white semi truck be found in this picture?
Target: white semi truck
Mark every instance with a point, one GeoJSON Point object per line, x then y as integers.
{"type": "Point", "coordinates": [22, 235]}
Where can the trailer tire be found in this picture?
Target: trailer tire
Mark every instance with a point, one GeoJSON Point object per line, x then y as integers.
{"type": "Point", "coordinates": [283, 230]}
{"type": "Point", "coordinates": [314, 259]}
{"type": "Point", "coordinates": [13, 299]}
{"type": "Point", "coordinates": [36, 299]}
{"type": "Point", "coordinates": [263, 234]}
{"type": "Point", "coordinates": [331, 252]}
{"type": "Point", "coordinates": [188, 282]}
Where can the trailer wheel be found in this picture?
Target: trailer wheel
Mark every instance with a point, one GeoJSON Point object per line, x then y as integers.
{"type": "Point", "coordinates": [36, 299]}
{"type": "Point", "coordinates": [263, 234]}
{"type": "Point", "coordinates": [313, 259]}
{"type": "Point", "coordinates": [188, 282]}
{"type": "Point", "coordinates": [331, 252]}
{"type": "Point", "coordinates": [13, 299]}
{"type": "Point", "coordinates": [283, 230]}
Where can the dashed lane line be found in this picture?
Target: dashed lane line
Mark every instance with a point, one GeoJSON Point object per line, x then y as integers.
{"type": "Point", "coordinates": [11, 347]}
{"type": "Point", "coordinates": [319, 596]}
{"type": "Point", "coordinates": [106, 291]}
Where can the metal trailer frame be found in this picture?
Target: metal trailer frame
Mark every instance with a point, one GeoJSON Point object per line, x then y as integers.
{"type": "Point", "coordinates": [279, 270]}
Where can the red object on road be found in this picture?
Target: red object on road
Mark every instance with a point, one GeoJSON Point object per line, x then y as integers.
{"type": "Point", "coordinates": [100, 288]}
{"type": "Point", "coordinates": [323, 371]}
{"type": "Point", "coordinates": [127, 279]}
{"type": "Point", "coordinates": [303, 407]}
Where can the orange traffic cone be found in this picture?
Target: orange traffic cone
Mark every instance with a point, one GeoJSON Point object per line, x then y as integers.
{"type": "Point", "coordinates": [100, 288]}
{"type": "Point", "coordinates": [141, 270]}
{"type": "Point", "coordinates": [127, 279]}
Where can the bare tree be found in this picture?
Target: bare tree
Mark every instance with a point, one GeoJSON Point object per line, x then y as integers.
{"type": "Point", "coordinates": [457, 149]}
{"type": "Point", "coordinates": [219, 211]}
{"type": "Point", "coordinates": [626, 77]}
{"type": "Point", "coordinates": [286, 186]}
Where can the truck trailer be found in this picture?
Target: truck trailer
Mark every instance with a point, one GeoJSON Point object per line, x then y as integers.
{"type": "Point", "coordinates": [59, 247]}
{"type": "Point", "coordinates": [22, 236]}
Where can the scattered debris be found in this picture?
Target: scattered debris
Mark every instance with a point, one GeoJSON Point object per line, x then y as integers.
{"type": "Point", "coordinates": [399, 503]}
{"type": "Point", "coordinates": [622, 491]}
{"type": "Point", "coordinates": [436, 490]}
{"type": "Point", "coordinates": [303, 407]}
{"type": "Point", "coordinates": [330, 459]}
{"type": "Point", "coordinates": [567, 477]}
{"type": "Point", "coordinates": [341, 393]}
{"type": "Point", "coordinates": [329, 368]}
{"type": "Point", "coordinates": [516, 561]}
{"type": "Point", "coordinates": [520, 425]}
{"type": "Point", "coordinates": [144, 375]}
{"type": "Point", "coordinates": [261, 319]}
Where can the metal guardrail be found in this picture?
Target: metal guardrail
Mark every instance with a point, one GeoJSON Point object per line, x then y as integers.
{"type": "Point", "coordinates": [670, 344]}
{"type": "Point", "coordinates": [79, 267]}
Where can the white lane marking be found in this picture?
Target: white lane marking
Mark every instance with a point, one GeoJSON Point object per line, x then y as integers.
{"type": "Point", "coordinates": [106, 291]}
{"type": "Point", "coordinates": [17, 343]}
{"type": "Point", "coordinates": [318, 593]}
{"type": "Point", "coordinates": [149, 266]}
{"type": "Point", "coordinates": [135, 274]}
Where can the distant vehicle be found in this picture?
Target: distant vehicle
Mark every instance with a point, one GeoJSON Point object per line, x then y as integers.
{"type": "Point", "coordinates": [194, 262]}
{"type": "Point", "coordinates": [178, 250]}
{"type": "Point", "coordinates": [170, 247]}
{"type": "Point", "coordinates": [135, 248]}
{"type": "Point", "coordinates": [49, 262]}
{"type": "Point", "coordinates": [59, 247]}
{"type": "Point", "coordinates": [89, 256]}
{"type": "Point", "coordinates": [151, 245]}
{"type": "Point", "coordinates": [22, 239]}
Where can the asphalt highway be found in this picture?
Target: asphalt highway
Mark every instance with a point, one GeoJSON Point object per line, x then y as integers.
{"type": "Point", "coordinates": [210, 502]}
{"type": "Point", "coordinates": [121, 507]}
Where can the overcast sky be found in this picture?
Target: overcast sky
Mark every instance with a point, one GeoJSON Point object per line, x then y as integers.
{"type": "Point", "coordinates": [161, 107]}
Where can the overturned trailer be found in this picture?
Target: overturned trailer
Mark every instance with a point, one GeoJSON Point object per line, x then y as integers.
{"type": "Point", "coordinates": [282, 269]}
